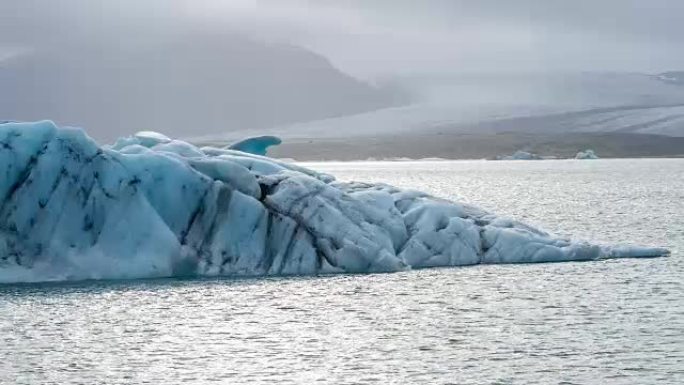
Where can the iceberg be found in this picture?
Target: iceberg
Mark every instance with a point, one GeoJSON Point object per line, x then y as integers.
{"type": "Point", "coordinates": [257, 145]}
{"type": "Point", "coordinates": [151, 206]}
{"type": "Point", "coordinates": [519, 155]}
{"type": "Point", "coordinates": [586, 154]}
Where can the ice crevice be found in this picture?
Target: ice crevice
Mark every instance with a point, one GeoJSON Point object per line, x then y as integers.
{"type": "Point", "coordinates": [150, 206]}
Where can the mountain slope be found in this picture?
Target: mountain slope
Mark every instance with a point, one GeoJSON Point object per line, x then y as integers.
{"type": "Point", "coordinates": [616, 114]}
{"type": "Point", "coordinates": [186, 83]}
{"type": "Point", "coordinates": [542, 103]}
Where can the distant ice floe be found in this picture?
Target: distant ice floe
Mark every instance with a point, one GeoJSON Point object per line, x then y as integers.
{"type": "Point", "coordinates": [519, 155]}
{"type": "Point", "coordinates": [672, 77]}
{"type": "Point", "coordinates": [586, 154]}
{"type": "Point", "coordinates": [151, 206]}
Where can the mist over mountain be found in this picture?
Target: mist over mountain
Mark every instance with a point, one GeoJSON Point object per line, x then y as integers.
{"type": "Point", "coordinates": [221, 70]}
{"type": "Point", "coordinates": [194, 83]}
{"type": "Point", "coordinates": [119, 73]}
{"type": "Point", "coordinates": [485, 115]}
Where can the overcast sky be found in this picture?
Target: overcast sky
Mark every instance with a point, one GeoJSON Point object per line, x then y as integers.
{"type": "Point", "coordinates": [376, 38]}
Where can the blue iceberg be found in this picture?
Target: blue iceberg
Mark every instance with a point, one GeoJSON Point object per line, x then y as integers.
{"type": "Point", "coordinates": [257, 145]}
{"type": "Point", "coordinates": [151, 206]}
{"type": "Point", "coordinates": [586, 154]}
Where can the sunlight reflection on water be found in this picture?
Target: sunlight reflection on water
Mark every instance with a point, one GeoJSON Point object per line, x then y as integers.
{"type": "Point", "coordinates": [617, 321]}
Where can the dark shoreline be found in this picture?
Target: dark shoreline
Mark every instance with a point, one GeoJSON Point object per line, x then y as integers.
{"type": "Point", "coordinates": [478, 146]}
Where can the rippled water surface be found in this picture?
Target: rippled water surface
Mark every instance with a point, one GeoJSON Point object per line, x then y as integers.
{"type": "Point", "coordinates": [616, 322]}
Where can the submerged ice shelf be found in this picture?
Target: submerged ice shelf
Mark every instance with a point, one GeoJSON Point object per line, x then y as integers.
{"type": "Point", "coordinates": [150, 206]}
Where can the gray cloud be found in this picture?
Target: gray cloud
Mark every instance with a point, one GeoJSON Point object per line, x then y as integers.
{"type": "Point", "coordinates": [384, 37]}
{"type": "Point", "coordinates": [493, 35]}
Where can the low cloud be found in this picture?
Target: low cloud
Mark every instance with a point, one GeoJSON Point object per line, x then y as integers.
{"type": "Point", "coordinates": [380, 38]}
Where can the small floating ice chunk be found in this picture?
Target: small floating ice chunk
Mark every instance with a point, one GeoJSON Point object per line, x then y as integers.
{"type": "Point", "coordinates": [586, 154]}
{"type": "Point", "coordinates": [519, 155]}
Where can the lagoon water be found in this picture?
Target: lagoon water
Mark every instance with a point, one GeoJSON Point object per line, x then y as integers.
{"type": "Point", "coordinates": [617, 322]}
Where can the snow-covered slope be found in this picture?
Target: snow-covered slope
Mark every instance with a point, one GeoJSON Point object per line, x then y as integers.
{"type": "Point", "coordinates": [149, 206]}
{"type": "Point", "coordinates": [654, 120]}
{"type": "Point", "coordinates": [491, 103]}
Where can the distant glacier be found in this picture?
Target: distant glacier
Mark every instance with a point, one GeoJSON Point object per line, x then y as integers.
{"type": "Point", "coordinates": [149, 206]}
